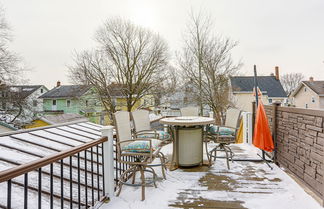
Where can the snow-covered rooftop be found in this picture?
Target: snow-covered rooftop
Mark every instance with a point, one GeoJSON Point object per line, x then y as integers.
{"type": "Point", "coordinates": [20, 147]}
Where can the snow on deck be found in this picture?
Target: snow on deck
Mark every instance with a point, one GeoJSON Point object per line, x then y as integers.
{"type": "Point", "coordinates": [246, 185]}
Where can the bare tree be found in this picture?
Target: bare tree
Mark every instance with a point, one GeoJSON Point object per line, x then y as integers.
{"type": "Point", "coordinates": [290, 81]}
{"type": "Point", "coordinates": [9, 61]}
{"type": "Point", "coordinates": [170, 82]}
{"type": "Point", "coordinates": [133, 57]}
{"type": "Point", "coordinates": [207, 63]}
{"type": "Point", "coordinates": [15, 108]}
{"type": "Point", "coordinates": [91, 68]}
{"type": "Point", "coordinates": [13, 104]}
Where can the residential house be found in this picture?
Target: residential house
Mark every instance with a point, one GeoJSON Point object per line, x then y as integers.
{"type": "Point", "coordinates": [183, 96]}
{"type": "Point", "coordinates": [309, 94]}
{"type": "Point", "coordinates": [21, 101]}
{"type": "Point", "coordinates": [55, 119]}
{"type": "Point", "coordinates": [76, 99]}
{"type": "Point", "coordinates": [270, 87]}
{"type": "Point", "coordinates": [84, 100]}
{"type": "Point", "coordinates": [116, 91]}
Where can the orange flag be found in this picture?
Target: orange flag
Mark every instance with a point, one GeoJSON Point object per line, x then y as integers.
{"type": "Point", "coordinates": [262, 136]}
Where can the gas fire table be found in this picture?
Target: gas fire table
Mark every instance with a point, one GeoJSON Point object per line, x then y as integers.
{"type": "Point", "coordinates": [188, 139]}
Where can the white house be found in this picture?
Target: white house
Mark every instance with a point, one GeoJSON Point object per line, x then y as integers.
{"type": "Point", "coordinates": [26, 97]}
{"type": "Point", "coordinates": [309, 94]}
{"type": "Point", "coordinates": [270, 86]}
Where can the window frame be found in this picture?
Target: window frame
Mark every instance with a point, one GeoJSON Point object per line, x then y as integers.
{"type": "Point", "coordinates": [313, 99]}
{"type": "Point", "coordinates": [35, 103]}
{"type": "Point", "coordinates": [68, 103]}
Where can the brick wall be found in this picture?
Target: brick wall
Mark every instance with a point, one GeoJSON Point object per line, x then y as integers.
{"type": "Point", "coordinates": [300, 143]}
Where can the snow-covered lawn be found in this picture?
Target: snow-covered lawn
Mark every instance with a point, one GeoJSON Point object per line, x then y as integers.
{"type": "Point", "coordinates": [245, 185]}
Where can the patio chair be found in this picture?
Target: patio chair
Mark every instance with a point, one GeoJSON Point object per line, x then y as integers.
{"type": "Point", "coordinates": [142, 151]}
{"type": "Point", "coordinates": [224, 135]}
{"type": "Point", "coordinates": [189, 111]}
{"type": "Point", "coordinates": [142, 129]}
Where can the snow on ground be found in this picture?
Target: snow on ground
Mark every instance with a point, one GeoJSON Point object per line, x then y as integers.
{"type": "Point", "coordinates": [246, 185]}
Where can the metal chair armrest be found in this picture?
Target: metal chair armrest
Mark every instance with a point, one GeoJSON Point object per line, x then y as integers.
{"type": "Point", "coordinates": [143, 132]}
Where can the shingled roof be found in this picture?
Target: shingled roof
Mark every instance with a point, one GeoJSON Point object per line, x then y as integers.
{"type": "Point", "coordinates": [66, 91]}
{"type": "Point", "coordinates": [267, 84]}
{"type": "Point", "coordinates": [316, 86]}
{"type": "Point", "coordinates": [23, 90]}
{"type": "Point", "coordinates": [63, 118]}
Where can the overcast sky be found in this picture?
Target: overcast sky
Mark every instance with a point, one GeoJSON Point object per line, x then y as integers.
{"type": "Point", "coordinates": [287, 33]}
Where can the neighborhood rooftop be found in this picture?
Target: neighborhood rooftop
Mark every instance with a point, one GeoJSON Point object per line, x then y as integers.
{"type": "Point", "coordinates": [24, 90]}
{"type": "Point", "coordinates": [267, 84]}
{"type": "Point", "coordinates": [66, 91]}
{"type": "Point", "coordinates": [63, 118]}
{"type": "Point", "coordinates": [316, 86]}
{"type": "Point", "coordinates": [74, 91]}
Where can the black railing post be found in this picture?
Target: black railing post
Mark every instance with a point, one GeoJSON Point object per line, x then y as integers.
{"type": "Point", "coordinates": [62, 186]}
{"type": "Point", "coordinates": [103, 170]}
{"type": "Point", "coordinates": [98, 183]}
{"type": "Point", "coordinates": [71, 184]}
{"type": "Point", "coordinates": [51, 186]}
{"type": "Point", "coordinates": [25, 190]}
{"type": "Point", "coordinates": [9, 194]}
{"type": "Point", "coordinates": [79, 188]}
{"type": "Point", "coordinates": [40, 188]}
{"type": "Point", "coordinates": [92, 190]}
{"type": "Point", "coordinates": [86, 177]}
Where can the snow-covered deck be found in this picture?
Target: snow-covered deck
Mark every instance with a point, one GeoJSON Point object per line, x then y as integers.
{"type": "Point", "coordinates": [245, 185]}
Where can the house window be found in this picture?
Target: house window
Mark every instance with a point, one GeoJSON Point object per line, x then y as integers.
{"type": "Point", "coordinates": [35, 103]}
{"type": "Point", "coordinates": [42, 90]}
{"type": "Point", "coordinates": [306, 106]}
{"type": "Point", "coordinates": [86, 103]}
{"type": "Point", "coordinates": [270, 101]}
{"type": "Point", "coordinates": [305, 89]}
{"type": "Point", "coordinates": [54, 102]}
{"type": "Point", "coordinates": [313, 99]}
{"type": "Point", "coordinates": [68, 103]}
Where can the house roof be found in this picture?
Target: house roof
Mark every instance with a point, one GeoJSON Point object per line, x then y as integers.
{"type": "Point", "coordinates": [116, 89]}
{"type": "Point", "coordinates": [268, 84]}
{"type": "Point", "coordinates": [24, 146]}
{"type": "Point", "coordinates": [66, 91]}
{"type": "Point", "coordinates": [8, 126]}
{"type": "Point", "coordinates": [23, 90]}
{"type": "Point", "coordinates": [63, 118]}
{"type": "Point", "coordinates": [316, 86]}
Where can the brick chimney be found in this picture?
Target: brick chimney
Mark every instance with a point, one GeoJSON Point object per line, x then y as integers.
{"type": "Point", "coordinates": [58, 83]}
{"type": "Point", "coordinates": [311, 79]}
{"type": "Point", "coordinates": [277, 72]}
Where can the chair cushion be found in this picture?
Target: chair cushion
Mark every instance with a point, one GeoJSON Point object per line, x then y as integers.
{"type": "Point", "coordinates": [163, 135]}
{"type": "Point", "coordinates": [141, 146]}
{"type": "Point", "coordinates": [221, 130]}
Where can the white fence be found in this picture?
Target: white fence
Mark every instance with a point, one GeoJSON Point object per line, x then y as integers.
{"type": "Point", "coordinates": [247, 127]}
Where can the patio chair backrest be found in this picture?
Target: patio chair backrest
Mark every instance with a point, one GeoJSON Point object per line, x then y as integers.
{"type": "Point", "coordinates": [123, 128]}
{"type": "Point", "coordinates": [232, 117]}
{"type": "Point", "coordinates": [141, 120]}
{"type": "Point", "coordinates": [189, 111]}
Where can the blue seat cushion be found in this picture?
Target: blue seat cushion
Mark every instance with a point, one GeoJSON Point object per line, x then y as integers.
{"type": "Point", "coordinates": [221, 130]}
{"type": "Point", "coordinates": [141, 146]}
{"type": "Point", "coordinates": [162, 135]}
